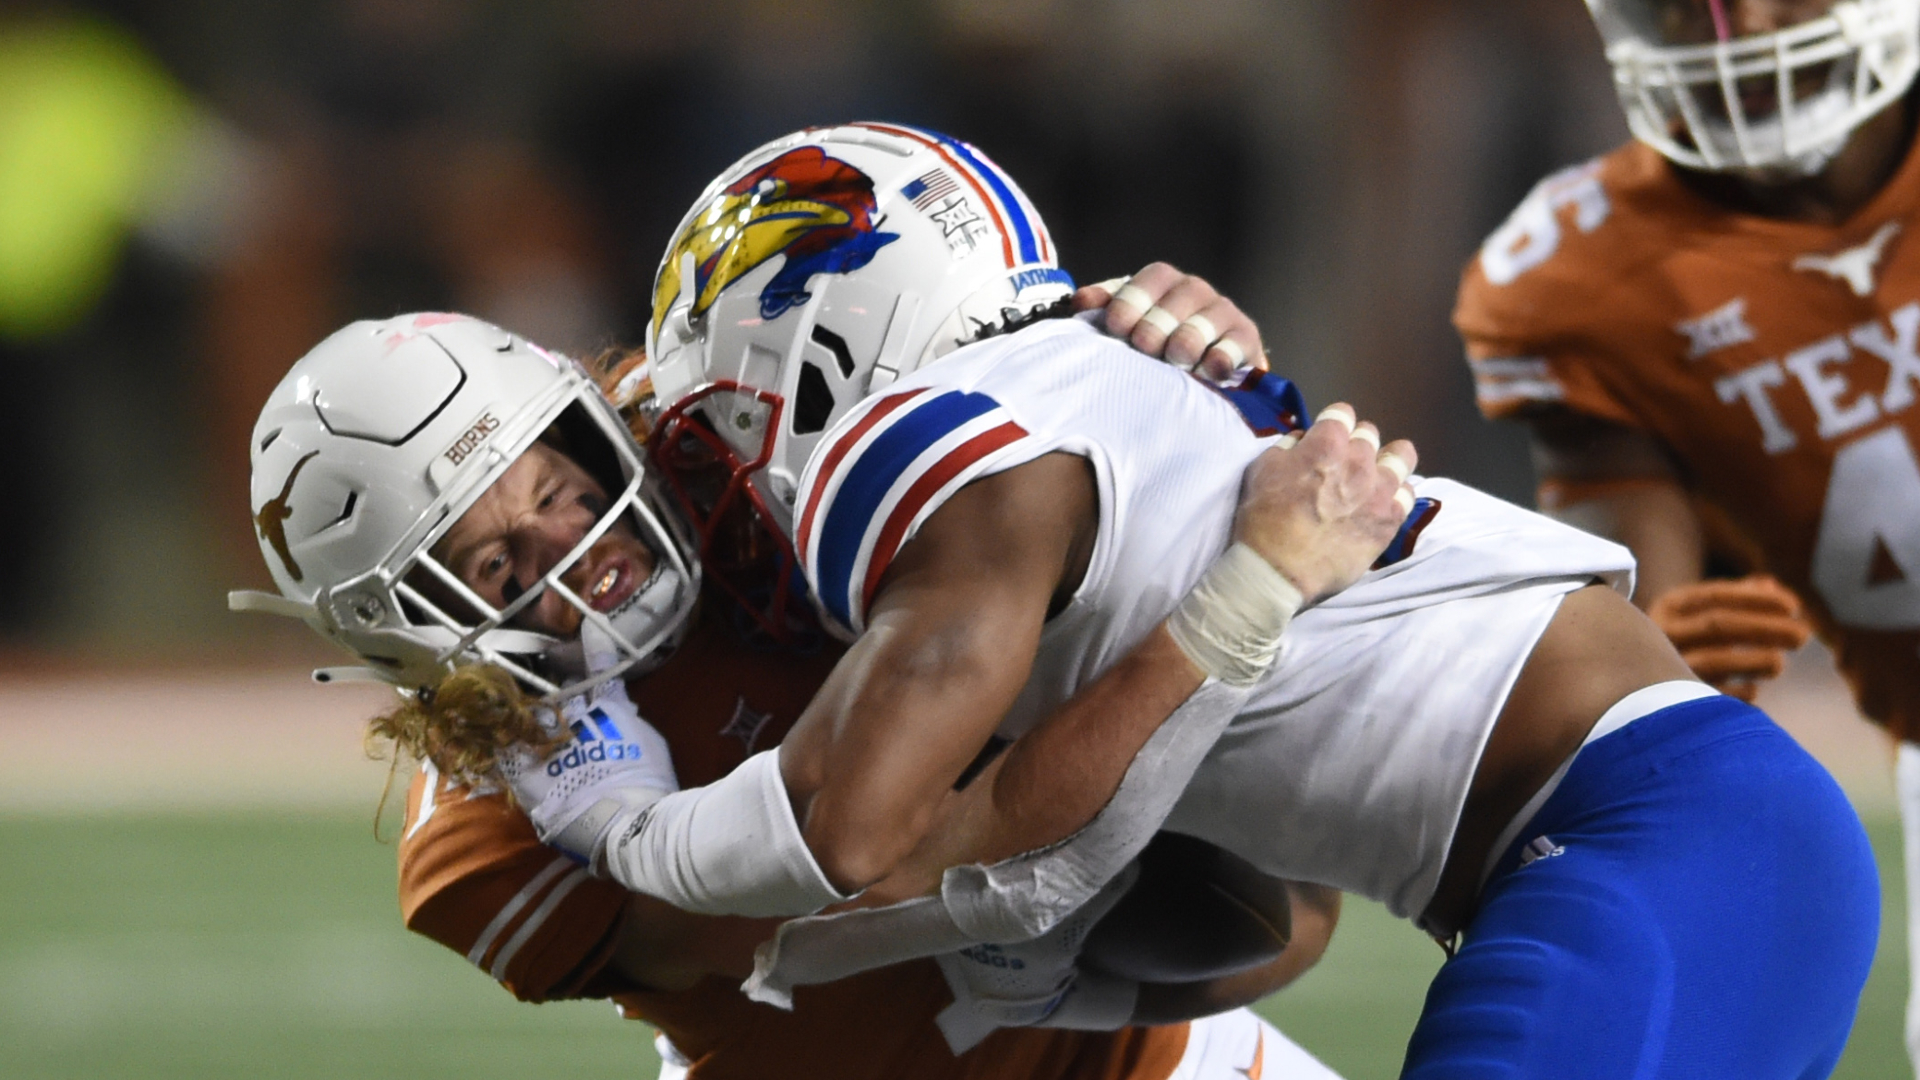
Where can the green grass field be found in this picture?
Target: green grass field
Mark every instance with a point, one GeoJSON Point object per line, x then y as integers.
{"type": "Point", "coordinates": [261, 946]}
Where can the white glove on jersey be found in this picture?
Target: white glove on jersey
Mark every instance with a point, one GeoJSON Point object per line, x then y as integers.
{"type": "Point", "coordinates": [609, 798]}
{"type": "Point", "coordinates": [615, 765]}
{"type": "Point", "coordinates": [1035, 983]}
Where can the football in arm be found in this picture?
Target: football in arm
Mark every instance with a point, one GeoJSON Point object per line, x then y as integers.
{"type": "Point", "coordinates": [1198, 912]}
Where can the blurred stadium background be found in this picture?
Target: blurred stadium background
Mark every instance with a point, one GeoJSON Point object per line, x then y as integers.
{"type": "Point", "coordinates": [194, 192]}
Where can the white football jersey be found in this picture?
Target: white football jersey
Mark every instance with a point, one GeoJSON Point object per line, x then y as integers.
{"type": "Point", "coordinates": [1351, 761]}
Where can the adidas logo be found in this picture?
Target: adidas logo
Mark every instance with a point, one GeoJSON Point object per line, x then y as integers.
{"type": "Point", "coordinates": [1540, 847]}
{"type": "Point", "coordinates": [993, 956]}
{"type": "Point", "coordinates": [589, 748]}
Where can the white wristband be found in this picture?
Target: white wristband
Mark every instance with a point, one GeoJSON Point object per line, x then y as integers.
{"type": "Point", "coordinates": [1230, 624]}
{"type": "Point", "coordinates": [730, 848]}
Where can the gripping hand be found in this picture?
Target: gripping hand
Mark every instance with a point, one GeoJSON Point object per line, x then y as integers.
{"type": "Point", "coordinates": [614, 767]}
{"type": "Point", "coordinates": [1321, 506]}
{"type": "Point", "coordinates": [1733, 634]}
{"type": "Point", "coordinates": [1179, 318]}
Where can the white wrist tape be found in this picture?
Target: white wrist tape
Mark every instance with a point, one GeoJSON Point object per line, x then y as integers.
{"type": "Point", "coordinates": [1230, 624]}
{"type": "Point", "coordinates": [613, 812]}
{"type": "Point", "coordinates": [730, 848]}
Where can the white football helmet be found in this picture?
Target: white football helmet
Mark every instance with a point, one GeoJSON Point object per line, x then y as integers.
{"type": "Point", "coordinates": [816, 270]}
{"type": "Point", "coordinates": [379, 439]}
{"type": "Point", "coordinates": [1778, 104]}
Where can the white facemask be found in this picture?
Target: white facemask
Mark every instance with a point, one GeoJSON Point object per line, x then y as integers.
{"type": "Point", "coordinates": [1682, 96]}
{"type": "Point", "coordinates": [657, 603]}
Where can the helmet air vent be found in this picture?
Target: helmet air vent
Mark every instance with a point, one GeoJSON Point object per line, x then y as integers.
{"type": "Point", "coordinates": [836, 345]}
{"type": "Point", "coordinates": [813, 404]}
{"type": "Point", "coordinates": [346, 512]}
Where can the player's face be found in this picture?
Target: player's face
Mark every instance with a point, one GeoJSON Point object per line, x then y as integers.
{"type": "Point", "coordinates": [1702, 22]}
{"type": "Point", "coordinates": [525, 524]}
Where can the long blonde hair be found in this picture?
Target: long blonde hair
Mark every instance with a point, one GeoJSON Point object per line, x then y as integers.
{"type": "Point", "coordinates": [463, 725]}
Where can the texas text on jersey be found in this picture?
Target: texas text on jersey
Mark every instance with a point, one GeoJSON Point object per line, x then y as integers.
{"type": "Point", "coordinates": [1777, 360]}
{"type": "Point", "coordinates": [475, 878]}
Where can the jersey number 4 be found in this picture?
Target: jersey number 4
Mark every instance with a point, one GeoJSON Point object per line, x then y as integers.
{"type": "Point", "coordinates": [1866, 562]}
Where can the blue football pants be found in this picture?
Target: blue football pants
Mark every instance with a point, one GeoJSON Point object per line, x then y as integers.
{"type": "Point", "coordinates": [1696, 900]}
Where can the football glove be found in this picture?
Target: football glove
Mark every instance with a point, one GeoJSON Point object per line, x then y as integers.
{"type": "Point", "coordinates": [613, 767]}
{"type": "Point", "coordinates": [1036, 983]}
{"type": "Point", "coordinates": [1733, 634]}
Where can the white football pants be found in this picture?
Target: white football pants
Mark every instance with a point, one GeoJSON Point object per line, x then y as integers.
{"type": "Point", "coordinates": [1234, 1045]}
{"type": "Point", "coordinates": [1906, 782]}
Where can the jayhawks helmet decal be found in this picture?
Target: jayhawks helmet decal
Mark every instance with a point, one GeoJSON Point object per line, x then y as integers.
{"type": "Point", "coordinates": [816, 210]}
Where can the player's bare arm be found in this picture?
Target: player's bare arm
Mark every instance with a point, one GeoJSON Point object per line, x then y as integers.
{"type": "Point", "coordinates": [1620, 483]}
{"type": "Point", "coordinates": [661, 947]}
{"type": "Point", "coordinates": [955, 627]}
{"type": "Point", "coordinates": [1596, 650]}
{"type": "Point", "coordinates": [1617, 482]}
{"type": "Point", "coordinates": [950, 643]}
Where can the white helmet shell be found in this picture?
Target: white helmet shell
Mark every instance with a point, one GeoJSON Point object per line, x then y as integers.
{"type": "Point", "coordinates": [1688, 84]}
{"type": "Point", "coordinates": [828, 263]}
{"type": "Point", "coordinates": [377, 441]}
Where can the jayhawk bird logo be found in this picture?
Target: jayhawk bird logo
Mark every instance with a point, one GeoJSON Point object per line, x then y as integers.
{"type": "Point", "coordinates": [814, 209]}
{"type": "Point", "coordinates": [271, 521]}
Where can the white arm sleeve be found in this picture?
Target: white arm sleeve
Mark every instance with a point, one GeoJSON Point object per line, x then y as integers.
{"type": "Point", "coordinates": [730, 848]}
{"type": "Point", "coordinates": [1015, 900]}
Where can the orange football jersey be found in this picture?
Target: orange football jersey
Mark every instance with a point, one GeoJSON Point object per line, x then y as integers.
{"type": "Point", "coordinates": [475, 878]}
{"type": "Point", "coordinates": [1776, 360]}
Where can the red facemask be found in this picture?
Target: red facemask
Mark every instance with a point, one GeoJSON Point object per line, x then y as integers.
{"type": "Point", "coordinates": [741, 545]}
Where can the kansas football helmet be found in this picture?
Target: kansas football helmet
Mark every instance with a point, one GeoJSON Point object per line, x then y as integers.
{"type": "Point", "coordinates": [373, 446]}
{"type": "Point", "coordinates": [816, 270]}
{"type": "Point", "coordinates": [1780, 103]}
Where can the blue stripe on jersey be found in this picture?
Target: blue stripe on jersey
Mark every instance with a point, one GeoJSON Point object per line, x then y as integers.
{"type": "Point", "coordinates": [1422, 515]}
{"type": "Point", "coordinates": [1029, 249]}
{"type": "Point", "coordinates": [1269, 404]}
{"type": "Point", "coordinates": [872, 474]}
